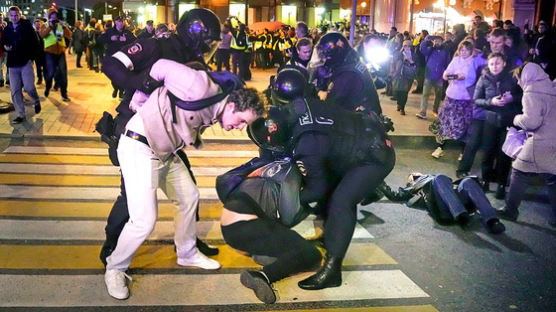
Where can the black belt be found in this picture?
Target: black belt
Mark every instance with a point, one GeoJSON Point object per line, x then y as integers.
{"type": "Point", "coordinates": [137, 136]}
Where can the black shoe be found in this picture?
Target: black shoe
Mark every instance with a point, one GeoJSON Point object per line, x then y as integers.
{"type": "Point", "coordinates": [494, 226]}
{"type": "Point", "coordinates": [65, 99]}
{"type": "Point", "coordinates": [46, 92]}
{"type": "Point", "coordinates": [398, 109]}
{"type": "Point", "coordinates": [114, 94]}
{"type": "Point", "coordinates": [37, 108]}
{"type": "Point", "coordinates": [39, 82]}
{"type": "Point", "coordinates": [330, 275]}
{"type": "Point", "coordinates": [461, 174]}
{"type": "Point", "coordinates": [18, 120]}
{"type": "Point", "coordinates": [510, 215]}
{"type": "Point", "coordinates": [402, 112]}
{"type": "Point", "coordinates": [257, 281]}
{"type": "Point", "coordinates": [7, 82]}
{"type": "Point", "coordinates": [500, 192]}
{"type": "Point", "coordinates": [1, 83]}
{"type": "Point", "coordinates": [121, 96]}
{"type": "Point", "coordinates": [107, 248]}
{"type": "Point", "coordinates": [463, 218]}
{"type": "Point", "coordinates": [206, 249]}
{"type": "Point", "coordinates": [79, 66]}
{"type": "Point", "coordinates": [485, 185]}
{"type": "Point", "coordinates": [56, 88]}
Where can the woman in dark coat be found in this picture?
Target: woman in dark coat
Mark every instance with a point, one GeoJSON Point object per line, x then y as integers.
{"type": "Point", "coordinates": [497, 92]}
{"type": "Point", "coordinates": [404, 70]}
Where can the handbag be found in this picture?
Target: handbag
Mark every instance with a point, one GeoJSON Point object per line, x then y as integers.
{"type": "Point", "coordinates": [514, 142]}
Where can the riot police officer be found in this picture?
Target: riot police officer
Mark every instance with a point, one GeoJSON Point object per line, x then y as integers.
{"type": "Point", "coordinates": [342, 156]}
{"type": "Point", "coordinates": [197, 32]}
{"type": "Point", "coordinates": [349, 84]}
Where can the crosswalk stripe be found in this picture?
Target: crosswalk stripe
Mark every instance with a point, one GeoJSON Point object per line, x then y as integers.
{"type": "Point", "coordinates": [100, 170]}
{"type": "Point", "coordinates": [104, 152]}
{"type": "Point", "coordinates": [208, 209]}
{"type": "Point", "coordinates": [77, 193]}
{"type": "Point", "coordinates": [151, 256]}
{"type": "Point", "coordinates": [412, 308]}
{"type": "Point", "coordinates": [57, 230]}
{"type": "Point", "coordinates": [103, 160]}
{"type": "Point", "coordinates": [191, 289]}
{"type": "Point", "coordinates": [78, 180]}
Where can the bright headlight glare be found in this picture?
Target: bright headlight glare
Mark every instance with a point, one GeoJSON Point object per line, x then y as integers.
{"type": "Point", "coordinates": [377, 55]}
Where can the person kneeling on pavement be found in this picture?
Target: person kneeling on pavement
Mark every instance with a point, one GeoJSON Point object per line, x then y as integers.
{"type": "Point", "coordinates": [149, 153]}
{"type": "Point", "coordinates": [261, 204]}
{"type": "Point", "coordinates": [447, 201]}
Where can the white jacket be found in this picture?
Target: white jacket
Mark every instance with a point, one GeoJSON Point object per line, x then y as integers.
{"type": "Point", "coordinates": [164, 136]}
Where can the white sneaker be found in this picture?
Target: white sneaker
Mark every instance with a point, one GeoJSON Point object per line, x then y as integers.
{"type": "Point", "coordinates": [199, 260]}
{"type": "Point", "coordinates": [116, 284]}
{"type": "Point", "coordinates": [438, 152]}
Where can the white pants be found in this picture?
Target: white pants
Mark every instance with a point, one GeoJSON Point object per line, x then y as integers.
{"type": "Point", "coordinates": [143, 173]}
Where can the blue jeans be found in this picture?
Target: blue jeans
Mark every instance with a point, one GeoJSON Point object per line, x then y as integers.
{"type": "Point", "coordinates": [57, 68]}
{"type": "Point", "coordinates": [22, 77]}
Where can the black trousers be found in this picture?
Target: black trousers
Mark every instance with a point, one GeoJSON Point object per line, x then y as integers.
{"type": "Point", "coordinates": [341, 209]}
{"type": "Point", "coordinates": [401, 97]}
{"type": "Point", "coordinates": [269, 238]}
{"type": "Point", "coordinates": [520, 181]}
{"type": "Point", "coordinates": [472, 146]}
{"type": "Point", "coordinates": [496, 165]}
{"type": "Point", "coordinates": [223, 58]}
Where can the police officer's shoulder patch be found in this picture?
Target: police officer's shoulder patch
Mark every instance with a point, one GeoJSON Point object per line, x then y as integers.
{"type": "Point", "coordinates": [134, 49]}
{"type": "Point", "coordinates": [301, 167]}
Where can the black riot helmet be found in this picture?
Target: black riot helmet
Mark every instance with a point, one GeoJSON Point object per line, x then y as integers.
{"type": "Point", "coordinates": [291, 83]}
{"type": "Point", "coordinates": [199, 28]}
{"type": "Point", "coordinates": [332, 48]}
{"type": "Point", "coordinates": [272, 132]}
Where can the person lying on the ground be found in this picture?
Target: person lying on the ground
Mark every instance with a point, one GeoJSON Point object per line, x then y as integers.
{"type": "Point", "coordinates": [447, 201]}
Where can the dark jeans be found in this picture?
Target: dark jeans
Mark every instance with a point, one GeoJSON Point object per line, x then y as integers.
{"type": "Point", "coordinates": [56, 68]}
{"type": "Point", "coordinates": [472, 145]}
{"type": "Point", "coordinates": [452, 205]}
{"type": "Point", "coordinates": [78, 59]}
{"type": "Point", "coordinates": [420, 78]}
{"type": "Point", "coordinates": [40, 64]}
{"type": "Point", "coordinates": [401, 97]}
{"type": "Point", "coordinates": [237, 60]}
{"type": "Point", "coordinates": [496, 164]}
{"type": "Point", "coordinates": [341, 208]}
{"type": "Point", "coordinates": [269, 238]}
{"type": "Point", "coordinates": [223, 58]}
{"type": "Point", "coordinates": [519, 181]}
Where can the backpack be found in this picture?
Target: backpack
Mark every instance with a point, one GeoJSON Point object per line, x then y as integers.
{"type": "Point", "coordinates": [227, 81]}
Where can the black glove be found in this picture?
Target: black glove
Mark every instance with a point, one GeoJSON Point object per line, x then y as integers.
{"type": "Point", "coordinates": [387, 123]}
{"type": "Point", "coordinates": [149, 84]}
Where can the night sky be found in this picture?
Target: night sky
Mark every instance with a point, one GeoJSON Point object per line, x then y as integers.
{"type": "Point", "coordinates": [80, 3]}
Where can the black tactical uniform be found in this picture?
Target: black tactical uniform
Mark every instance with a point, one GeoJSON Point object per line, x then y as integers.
{"type": "Point", "coordinates": [350, 83]}
{"type": "Point", "coordinates": [129, 68]}
{"type": "Point", "coordinates": [342, 155]}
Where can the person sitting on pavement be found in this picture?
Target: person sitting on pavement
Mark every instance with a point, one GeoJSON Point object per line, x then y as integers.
{"type": "Point", "coordinates": [261, 204]}
{"type": "Point", "coordinates": [151, 155]}
{"type": "Point", "coordinates": [447, 201]}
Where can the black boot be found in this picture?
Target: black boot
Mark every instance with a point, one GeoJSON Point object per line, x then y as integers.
{"type": "Point", "coordinates": [330, 275]}
{"type": "Point", "coordinates": [107, 248]}
{"type": "Point", "coordinates": [206, 249]}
